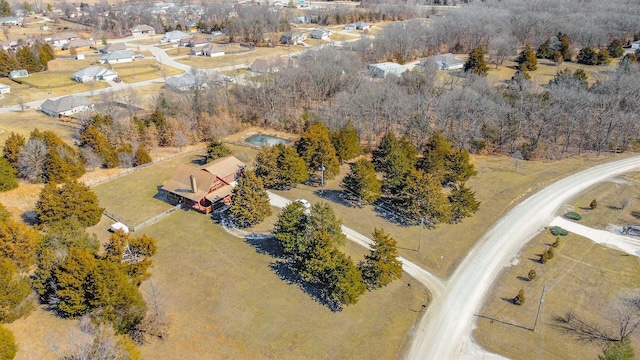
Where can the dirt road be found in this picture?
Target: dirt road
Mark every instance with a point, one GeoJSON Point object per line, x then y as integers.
{"type": "Point", "coordinates": [445, 331]}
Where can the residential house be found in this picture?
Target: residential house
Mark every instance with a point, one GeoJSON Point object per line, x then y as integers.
{"type": "Point", "coordinates": [446, 61]}
{"type": "Point", "coordinates": [382, 70]}
{"type": "Point", "coordinates": [59, 40]}
{"type": "Point", "coordinates": [191, 27]}
{"type": "Point", "coordinates": [193, 41]}
{"type": "Point", "coordinates": [117, 57]}
{"type": "Point", "coordinates": [4, 89]}
{"type": "Point", "coordinates": [111, 47]}
{"type": "Point", "coordinates": [351, 26]}
{"type": "Point", "coordinates": [186, 82]}
{"type": "Point", "coordinates": [321, 34]}
{"type": "Point", "coordinates": [205, 188]}
{"type": "Point", "coordinates": [635, 45]}
{"type": "Point", "coordinates": [77, 44]}
{"type": "Point", "coordinates": [94, 73]}
{"type": "Point", "coordinates": [293, 38]}
{"type": "Point", "coordinates": [11, 21]}
{"type": "Point", "coordinates": [209, 50]}
{"type": "Point", "coordinates": [173, 36]}
{"type": "Point", "coordinates": [16, 74]}
{"type": "Point", "coordinates": [10, 44]}
{"type": "Point", "coordinates": [143, 30]}
{"type": "Point", "coordinates": [361, 25]}
{"type": "Point", "coordinates": [66, 106]}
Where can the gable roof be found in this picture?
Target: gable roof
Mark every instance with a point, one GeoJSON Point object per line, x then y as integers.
{"type": "Point", "coordinates": [93, 72]}
{"type": "Point", "coordinates": [224, 167]}
{"type": "Point", "coordinates": [142, 27]}
{"type": "Point", "coordinates": [443, 61]}
{"type": "Point", "coordinates": [212, 49]}
{"type": "Point", "coordinates": [111, 47]}
{"type": "Point", "coordinates": [181, 182]}
{"type": "Point", "coordinates": [76, 43]}
{"type": "Point", "coordinates": [116, 55]}
{"type": "Point", "coordinates": [175, 35]}
{"type": "Point", "coordinates": [64, 103]}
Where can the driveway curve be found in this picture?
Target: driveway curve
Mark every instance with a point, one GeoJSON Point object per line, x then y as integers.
{"type": "Point", "coordinates": [445, 330]}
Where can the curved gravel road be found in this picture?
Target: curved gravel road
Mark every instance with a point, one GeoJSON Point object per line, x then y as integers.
{"type": "Point", "coordinates": [445, 330]}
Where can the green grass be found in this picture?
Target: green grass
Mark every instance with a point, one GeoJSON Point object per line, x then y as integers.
{"type": "Point", "coordinates": [226, 302]}
{"type": "Point", "coordinates": [584, 277]}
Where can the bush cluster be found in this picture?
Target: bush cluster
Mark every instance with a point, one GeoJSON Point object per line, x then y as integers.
{"type": "Point", "coordinates": [572, 215]}
{"type": "Point", "coordinates": [558, 231]}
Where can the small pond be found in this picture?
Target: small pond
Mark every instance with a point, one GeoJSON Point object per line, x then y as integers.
{"type": "Point", "coordinates": [264, 140]}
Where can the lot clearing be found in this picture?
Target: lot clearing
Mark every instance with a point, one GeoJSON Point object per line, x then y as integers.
{"type": "Point", "coordinates": [244, 58]}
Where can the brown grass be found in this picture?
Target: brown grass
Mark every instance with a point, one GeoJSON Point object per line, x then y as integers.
{"type": "Point", "coordinates": [24, 122]}
{"type": "Point", "coordinates": [583, 276]}
{"type": "Point", "coordinates": [234, 59]}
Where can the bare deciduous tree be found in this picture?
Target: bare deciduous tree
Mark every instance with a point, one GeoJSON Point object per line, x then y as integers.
{"type": "Point", "coordinates": [31, 160]}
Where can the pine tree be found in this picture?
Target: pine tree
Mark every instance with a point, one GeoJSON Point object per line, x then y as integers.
{"type": "Point", "coordinates": [615, 48]}
{"type": "Point", "coordinates": [381, 266]}
{"type": "Point", "coordinates": [28, 59]}
{"type": "Point", "coordinates": [587, 56]}
{"type": "Point", "coordinates": [395, 158]}
{"type": "Point", "coordinates": [18, 241]}
{"type": "Point", "coordinates": [458, 167]}
{"type": "Point", "coordinates": [292, 169]}
{"type": "Point", "coordinates": [12, 147]}
{"type": "Point", "coordinates": [434, 160]}
{"type": "Point", "coordinates": [422, 200]}
{"type": "Point", "coordinates": [324, 219]}
{"type": "Point", "coordinates": [8, 347]}
{"type": "Point", "coordinates": [71, 199]}
{"type": "Point", "coordinates": [519, 299]}
{"type": "Point", "coordinates": [618, 350]}
{"type": "Point", "coordinates": [604, 58]}
{"type": "Point", "coordinates": [476, 64]}
{"type": "Point", "coordinates": [527, 59]}
{"type": "Point", "coordinates": [8, 178]}
{"type": "Point", "coordinates": [463, 203]}
{"type": "Point", "coordinates": [544, 51]}
{"type": "Point", "coordinates": [361, 183]}
{"type": "Point", "coordinates": [346, 142]}
{"type": "Point", "coordinates": [70, 278]}
{"type": "Point", "coordinates": [92, 138]}
{"type": "Point", "coordinates": [266, 166]}
{"type": "Point", "coordinates": [531, 275]}
{"type": "Point", "coordinates": [13, 292]}
{"type": "Point", "coordinates": [142, 156]}
{"type": "Point", "coordinates": [316, 149]}
{"type": "Point", "coordinates": [346, 285]}
{"type": "Point", "coordinates": [215, 150]}
{"type": "Point", "coordinates": [290, 230]}
{"type": "Point", "coordinates": [250, 203]}
{"type": "Point", "coordinates": [5, 8]}
{"type": "Point", "coordinates": [565, 47]}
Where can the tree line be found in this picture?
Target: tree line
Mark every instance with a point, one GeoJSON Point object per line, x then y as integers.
{"type": "Point", "coordinates": [34, 58]}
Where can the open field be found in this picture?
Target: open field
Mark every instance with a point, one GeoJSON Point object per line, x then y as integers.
{"type": "Point", "coordinates": [226, 302]}
{"type": "Point", "coordinates": [498, 185]}
{"type": "Point", "coordinates": [582, 277]}
{"type": "Point", "coordinates": [245, 58]}
{"type": "Point", "coordinates": [24, 122]}
{"type": "Point", "coordinates": [141, 70]}
{"type": "Point", "coordinates": [617, 203]}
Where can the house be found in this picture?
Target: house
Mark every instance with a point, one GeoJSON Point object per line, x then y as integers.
{"type": "Point", "coordinates": [111, 47]}
{"type": "Point", "coordinates": [94, 73]}
{"type": "Point", "coordinates": [382, 70]}
{"type": "Point", "coordinates": [191, 27]}
{"type": "Point", "coordinates": [193, 41]}
{"type": "Point", "coordinates": [293, 38]}
{"type": "Point", "coordinates": [186, 82]}
{"type": "Point", "coordinates": [66, 106]}
{"type": "Point", "coordinates": [205, 188]}
{"type": "Point", "coordinates": [446, 61]}
{"type": "Point", "coordinates": [11, 21]}
{"type": "Point", "coordinates": [635, 45]}
{"type": "Point", "coordinates": [321, 34]}
{"type": "Point", "coordinates": [117, 57]}
{"type": "Point", "coordinates": [173, 37]}
{"type": "Point", "coordinates": [351, 26]}
{"type": "Point", "coordinates": [16, 74]}
{"type": "Point", "coordinates": [9, 44]}
{"type": "Point", "coordinates": [4, 89]}
{"type": "Point", "coordinates": [209, 50]}
{"type": "Point", "coordinates": [361, 25]}
{"type": "Point", "coordinates": [77, 44]}
{"type": "Point", "coordinates": [63, 38]}
{"type": "Point", "coordinates": [142, 30]}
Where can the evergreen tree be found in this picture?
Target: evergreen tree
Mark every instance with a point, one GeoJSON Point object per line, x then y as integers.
{"type": "Point", "coordinates": [8, 347]}
{"type": "Point", "coordinates": [618, 350]}
{"type": "Point", "coordinates": [266, 166]}
{"type": "Point", "coordinates": [142, 156]}
{"type": "Point", "coordinates": [215, 150]}
{"type": "Point", "coordinates": [395, 158]}
{"type": "Point", "coordinates": [250, 203]}
{"type": "Point", "coordinates": [18, 242]}
{"type": "Point", "coordinates": [346, 142]}
{"type": "Point", "coordinates": [12, 147]}
{"type": "Point", "coordinates": [519, 299]}
{"type": "Point", "coordinates": [291, 169]}
{"type": "Point", "coordinates": [345, 285]}
{"type": "Point", "coordinates": [527, 59]}
{"type": "Point", "coordinates": [458, 167]}
{"type": "Point", "coordinates": [13, 292]}
{"type": "Point", "coordinates": [28, 59]}
{"type": "Point", "coordinates": [463, 203]}
{"type": "Point", "coordinates": [594, 204]}
{"type": "Point", "coordinates": [8, 63]}
{"type": "Point", "coordinates": [290, 229]}
{"type": "Point", "coordinates": [71, 199]}
{"type": "Point", "coordinates": [565, 47]}
{"type": "Point", "coordinates": [323, 219]}
{"type": "Point", "coordinates": [71, 279]}
{"type": "Point", "coordinates": [8, 178]}
{"type": "Point", "coordinates": [92, 138]}
{"type": "Point", "coordinates": [615, 48]}
{"type": "Point", "coordinates": [434, 159]}
{"type": "Point", "coordinates": [422, 200]}
{"type": "Point", "coordinates": [604, 58]}
{"type": "Point", "coordinates": [361, 183]}
{"type": "Point", "coordinates": [544, 51]}
{"type": "Point", "coordinates": [5, 8]}
{"type": "Point", "coordinates": [587, 56]}
{"type": "Point", "coordinates": [476, 64]}
{"type": "Point", "coordinates": [316, 149]}
{"type": "Point", "coordinates": [381, 266]}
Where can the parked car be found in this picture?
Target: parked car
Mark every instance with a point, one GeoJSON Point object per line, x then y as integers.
{"type": "Point", "coordinates": [117, 80]}
{"type": "Point", "coordinates": [139, 56]}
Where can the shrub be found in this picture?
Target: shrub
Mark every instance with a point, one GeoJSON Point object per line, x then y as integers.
{"type": "Point", "coordinates": [519, 299]}
{"type": "Point", "coordinates": [531, 275]}
{"type": "Point", "coordinates": [558, 231]}
{"type": "Point", "coordinates": [544, 257]}
{"type": "Point", "coordinates": [594, 204]}
{"type": "Point", "coordinates": [556, 243]}
{"type": "Point", "coordinates": [572, 215]}
{"type": "Point", "coordinates": [550, 252]}
{"type": "Point", "coordinates": [8, 346]}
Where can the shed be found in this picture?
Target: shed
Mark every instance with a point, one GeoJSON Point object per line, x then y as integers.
{"type": "Point", "coordinates": [119, 226]}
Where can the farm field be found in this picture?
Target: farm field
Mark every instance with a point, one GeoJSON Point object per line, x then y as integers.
{"type": "Point", "coordinates": [583, 277]}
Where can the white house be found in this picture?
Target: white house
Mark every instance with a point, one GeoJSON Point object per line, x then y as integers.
{"type": "Point", "coordinates": [4, 89]}
{"type": "Point", "coordinates": [143, 30]}
{"type": "Point", "coordinates": [321, 34]}
{"type": "Point", "coordinates": [186, 82]}
{"type": "Point", "coordinates": [446, 61]}
{"type": "Point", "coordinates": [382, 70]}
{"type": "Point", "coordinates": [16, 74]}
{"type": "Point", "coordinates": [209, 50]}
{"type": "Point", "coordinates": [94, 73]}
{"type": "Point", "coordinates": [173, 37]}
{"type": "Point", "coordinates": [635, 45]}
{"type": "Point", "coordinates": [117, 57]}
{"type": "Point", "coordinates": [66, 106]}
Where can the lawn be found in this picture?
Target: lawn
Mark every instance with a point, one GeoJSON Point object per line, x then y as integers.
{"type": "Point", "coordinates": [226, 301]}
{"type": "Point", "coordinates": [498, 185]}
{"type": "Point", "coordinates": [583, 277]}
{"type": "Point", "coordinates": [24, 122]}
{"type": "Point", "coordinates": [245, 58]}
{"type": "Point", "coordinates": [141, 70]}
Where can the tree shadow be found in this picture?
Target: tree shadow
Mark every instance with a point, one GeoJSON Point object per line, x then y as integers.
{"type": "Point", "coordinates": [636, 214]}
{"type": "Point", "coordinates": [509, 300]}
{"type": "Point", "coordinates": [334, 196]}
{"type": "Point", "coordinates": [265, 244]}
{"type": "Point", "coordinates": [386, 212]}
{"type": "Point", "coordinates": [286, 272]}
{"type": "Point", "coordinates": [523, 278]}
{"type": "Point", "coordinates": [537, 261]}
{"type": "Point", "coordinates": [30, 217]}
{"type": "Point", "coordinates": [585, 208]}
{"type": "Point", "coordinates": [612, 207]}
{"type": "Point", "coordinates": [202, 160]}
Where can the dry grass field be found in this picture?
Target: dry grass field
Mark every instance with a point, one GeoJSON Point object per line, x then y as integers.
{"type": "Point", "coordinates": [583, 277]}
{"type": "Point", "coordinates": [245, 58]}
{"type": "Point", "coordinates": [24, 122]}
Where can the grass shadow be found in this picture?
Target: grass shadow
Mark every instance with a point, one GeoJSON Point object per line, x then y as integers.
{"type": "Point", "coordinates": [334, 196]}
{"type": "Point", "coordinates": [636, 214]}
{"type": "Point", "coordinates": [286, 272]}
{"type": "Point", "coordinates": [612, 207]}
{"type": "Point", "coordinates": [509, 300]}
{"type": "Point", "coordinates": [585, 208]}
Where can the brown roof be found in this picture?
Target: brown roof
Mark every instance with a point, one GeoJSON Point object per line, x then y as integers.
{"type": "Point", "coordinates": [180, 184]}
{"type": "Point", "coordinates": [224, 167]}
{"type": "Point", "coordinates": [219, 194]}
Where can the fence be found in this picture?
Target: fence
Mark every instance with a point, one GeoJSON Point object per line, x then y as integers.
{"type": "Point", "coordinates": [156, 218]}
{"type": "Point", "coordinates": [243, 143]}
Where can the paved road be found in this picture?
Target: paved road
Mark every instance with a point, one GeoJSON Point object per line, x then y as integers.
{"type": "Point", "coordinates": [445, 331]}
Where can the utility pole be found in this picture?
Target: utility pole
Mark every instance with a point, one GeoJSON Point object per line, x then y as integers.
{"type": "Point", "coordinates": [322, 169]}
{"type": "Point", "coordinates": [544, 288]}
{"type": "Point", "coordinates": [420, 240]}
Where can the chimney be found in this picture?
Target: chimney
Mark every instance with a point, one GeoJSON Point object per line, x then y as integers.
{"type": "Point", "coordinates": [194, 186]}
